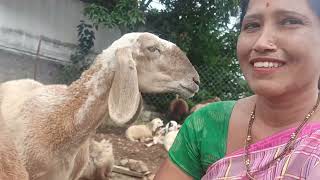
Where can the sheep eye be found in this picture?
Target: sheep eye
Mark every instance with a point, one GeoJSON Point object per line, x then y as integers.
{"type": "Point", "coordinates": [153, 49]}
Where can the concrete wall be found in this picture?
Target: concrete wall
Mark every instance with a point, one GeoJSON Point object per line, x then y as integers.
{"type": "Point", "coordinates": [22, 22]}
{"type": "Point", "coordinates": [20, 66]}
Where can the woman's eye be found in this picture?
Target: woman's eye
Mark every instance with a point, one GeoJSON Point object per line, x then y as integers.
{"type": "Point", "coordinates": [251, 26]}
{"type": "Point", "coordinates": [291, 21]}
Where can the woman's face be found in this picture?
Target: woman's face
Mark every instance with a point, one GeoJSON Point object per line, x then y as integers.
{"type": "Point", "coordinates": [279, 46]}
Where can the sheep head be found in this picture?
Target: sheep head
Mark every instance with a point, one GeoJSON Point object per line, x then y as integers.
{"type": "Point", "coordinates": [156, 123]}
{"type": "Point", "coordinates": [172, 126]}
{"type": "Point", "coordinates": [163, 67]}
{"type": "Point", "coordinates": [148, 64]}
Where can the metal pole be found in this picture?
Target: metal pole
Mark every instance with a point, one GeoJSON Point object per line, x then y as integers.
{"type": "Point", "coordinates": [37, 60]}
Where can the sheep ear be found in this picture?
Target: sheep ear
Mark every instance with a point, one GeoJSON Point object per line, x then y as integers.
{"type": "Point", "coordinates": [124, 96]}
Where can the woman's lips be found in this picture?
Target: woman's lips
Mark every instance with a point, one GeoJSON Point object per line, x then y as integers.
{"type": "Point", "coordinates": [266, 65]}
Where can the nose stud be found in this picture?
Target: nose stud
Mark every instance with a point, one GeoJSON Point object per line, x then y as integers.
{"type": "Point", "coordinates": [270, 44]}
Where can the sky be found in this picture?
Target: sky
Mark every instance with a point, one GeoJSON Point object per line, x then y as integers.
{"type": "Point", "coordinates": [156, 4]}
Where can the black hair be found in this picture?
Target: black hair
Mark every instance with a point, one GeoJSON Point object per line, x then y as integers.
{"type": "Point", "coordinates": [243, 9]}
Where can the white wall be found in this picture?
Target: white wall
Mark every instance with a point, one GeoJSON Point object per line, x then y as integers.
{"type": "Point", "coordinates": [23, 21]}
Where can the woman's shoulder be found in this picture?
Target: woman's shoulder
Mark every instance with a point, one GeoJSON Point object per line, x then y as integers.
{"type": "Point", "coordinates": [220, 106]}
{"type": "Point", "coordinates": [200, 140]}
{"type": "Point", "coordinates": [213, 112]}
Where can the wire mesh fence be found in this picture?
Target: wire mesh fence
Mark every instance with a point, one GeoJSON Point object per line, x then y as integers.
{"type": "Point", "coordinates": [216, 81]}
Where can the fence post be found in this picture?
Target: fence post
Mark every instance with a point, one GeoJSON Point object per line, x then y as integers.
{"type": "Point", "coordinates": [37, 60]}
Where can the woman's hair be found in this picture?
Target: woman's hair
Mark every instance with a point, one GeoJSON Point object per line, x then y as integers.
{"type": "Point", "coordinates": [314, 4]}
{"type": "Point", "coordinates": [243, 7]}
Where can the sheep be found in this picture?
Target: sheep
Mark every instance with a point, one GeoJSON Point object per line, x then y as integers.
{"type": "Point", "coordinates": [11, 166]}
{"type": "Point", "coordinates": [204, 103]}
{"type": "Point", "coordinates": [161, 135]}
{"type": "Point", "coordinates": [143, 132]}
{"type": "Point", "coordinates": [51, 125]}
{"type": "Point", "coordinates": [100, 162]}
{"type": "Point", "coordinates": [172, 129]}
{"type": "Point", "coordinates": [178, 109]}
{"type": "Point", "coordinates": [171, 126]}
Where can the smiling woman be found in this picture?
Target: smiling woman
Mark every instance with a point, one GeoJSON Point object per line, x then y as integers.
{"type": "Point", "coordinates": [273, 134]}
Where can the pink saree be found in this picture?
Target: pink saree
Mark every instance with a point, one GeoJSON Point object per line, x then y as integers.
{"type": "Point", "coordinates": [301, 163]}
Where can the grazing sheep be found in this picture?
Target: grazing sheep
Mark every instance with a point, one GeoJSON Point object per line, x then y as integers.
{"type": "Point", "coordinates": [204, 103]}
{"type": "Point", "coordinates": [51, 125]}
{"type": "Point", "coordinates": [100, 162]}
{"type": "Point", "coordinates": [178, 110]}
{"type": "Point", "coordinates": [143, 132]}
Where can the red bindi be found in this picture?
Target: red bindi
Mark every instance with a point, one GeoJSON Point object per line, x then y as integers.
{"type": "Point", "coordinates": [267, 5]}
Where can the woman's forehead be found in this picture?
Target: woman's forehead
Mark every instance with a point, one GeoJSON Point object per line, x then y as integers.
{"type": "Point", "coordinates": [264, 6]}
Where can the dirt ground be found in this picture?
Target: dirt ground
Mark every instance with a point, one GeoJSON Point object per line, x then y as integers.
{"type": "Point", "coordinates": [125, 149]}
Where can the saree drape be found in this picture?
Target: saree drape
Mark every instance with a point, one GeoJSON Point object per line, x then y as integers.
{"type": "Point", "coordinates": [301, 163]}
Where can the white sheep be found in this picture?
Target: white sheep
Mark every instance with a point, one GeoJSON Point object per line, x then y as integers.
{"type": "Point", "coordinates": [172, 129]}
{"type": "Point", "coordinates": [171, 126]}
{"type": "Point", "coordinates": [101, 161]}
{"type": "Point", "coordinates": [51, 125]}
{"type": "Point", "coordinates": [161, 135]}
{"type": "Point", "coordinates": [143, 132]}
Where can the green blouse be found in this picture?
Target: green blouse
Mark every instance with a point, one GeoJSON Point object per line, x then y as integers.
{"type": "Point", "coordinates": [202, 139]}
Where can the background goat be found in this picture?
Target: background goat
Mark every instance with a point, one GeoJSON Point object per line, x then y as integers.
{"type": "Point", "coordinates": [101, 161]}
{"type": "Point", "coordinates": [204, 103]}
{"type": "Point", "coordinates": [143, 132]}
{"type": "Point", "coordinates": [178, 110]}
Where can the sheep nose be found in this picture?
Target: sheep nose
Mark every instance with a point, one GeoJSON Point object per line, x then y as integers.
{"type": "Point", "coordinates": [196, 80]}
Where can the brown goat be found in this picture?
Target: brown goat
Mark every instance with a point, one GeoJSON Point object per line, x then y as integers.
{"type": "Point", "coordinates": [178, 110]}
{"type": "Point", "coordinates": [204, 103]}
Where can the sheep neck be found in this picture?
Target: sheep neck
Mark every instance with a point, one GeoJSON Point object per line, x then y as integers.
{"type": "Point", "coordinates": [90, 96]}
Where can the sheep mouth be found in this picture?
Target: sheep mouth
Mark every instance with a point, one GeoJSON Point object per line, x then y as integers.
{"type": "Point", "coordinates": [188, 91]}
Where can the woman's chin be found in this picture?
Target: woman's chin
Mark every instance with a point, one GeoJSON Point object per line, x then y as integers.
{"type": "Point", "coordinates": [268, 90]}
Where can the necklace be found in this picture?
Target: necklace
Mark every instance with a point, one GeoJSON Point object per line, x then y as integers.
{"type": "Point", "coordinates": [287, 149]}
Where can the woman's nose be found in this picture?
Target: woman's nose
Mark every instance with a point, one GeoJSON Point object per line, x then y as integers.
{"type": "Point", "coordinates": [265, 42]}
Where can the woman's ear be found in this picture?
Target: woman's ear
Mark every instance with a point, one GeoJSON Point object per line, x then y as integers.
{"type": "Point", "coordinates": [124, 96]}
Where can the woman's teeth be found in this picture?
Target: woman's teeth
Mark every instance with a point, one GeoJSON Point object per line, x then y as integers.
{"type": "Point", "coordinates": [267, 64]}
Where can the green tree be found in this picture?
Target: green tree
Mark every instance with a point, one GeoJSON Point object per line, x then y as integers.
{"type": "Point", "coordinates": [127, 15]}
{"type": "Point", "coordinates": [79, 58]}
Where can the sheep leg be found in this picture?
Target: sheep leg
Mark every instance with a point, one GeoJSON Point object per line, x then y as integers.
{"type": "Point", "coordinates": [150, 144]}
{"type": "Point", "coordinates": [145, 139]}
{"type": "Point", "coordinates": [81, 161]}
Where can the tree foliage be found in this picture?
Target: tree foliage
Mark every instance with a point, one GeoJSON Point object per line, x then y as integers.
{"type": "Point", "coordinates": [79, 58]}
{"type": "Point", "coordinates": [125, 14]}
